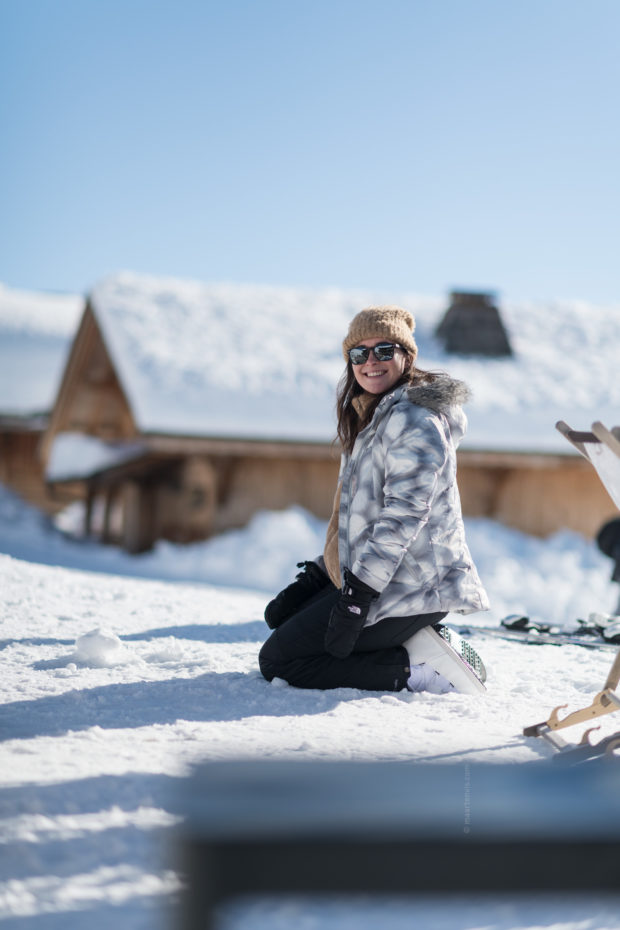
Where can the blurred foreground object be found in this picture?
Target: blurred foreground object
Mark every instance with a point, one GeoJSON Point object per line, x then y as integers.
{"type": "Point", "coordinates": [268, 828]}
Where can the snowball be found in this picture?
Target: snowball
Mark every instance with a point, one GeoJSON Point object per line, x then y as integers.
{"type": "Point", "coordinates": [100, 648]}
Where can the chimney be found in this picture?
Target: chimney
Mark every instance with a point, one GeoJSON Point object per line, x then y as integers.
{"type": "Point", "coordinates": [472, 325]}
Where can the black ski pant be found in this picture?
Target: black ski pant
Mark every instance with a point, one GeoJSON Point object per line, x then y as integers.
{"type": "Point", "coordinates": [295, 651]}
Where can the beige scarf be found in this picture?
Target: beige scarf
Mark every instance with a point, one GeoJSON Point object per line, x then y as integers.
{"type": "Point", "coordinates": [330, 553]}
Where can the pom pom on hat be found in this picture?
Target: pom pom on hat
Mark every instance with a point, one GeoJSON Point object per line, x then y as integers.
{"type": "Point", "coordinates": [390, 323]}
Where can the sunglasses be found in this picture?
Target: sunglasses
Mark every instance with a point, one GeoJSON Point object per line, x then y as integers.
{"type": "Point", "coordinates": [383, 352]}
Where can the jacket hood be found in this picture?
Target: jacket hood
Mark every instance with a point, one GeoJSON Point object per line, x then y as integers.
{"type": "Point", "coordinates": [446, 396]}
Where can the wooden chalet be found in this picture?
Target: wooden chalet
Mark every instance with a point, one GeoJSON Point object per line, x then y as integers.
{"type": "Point", "coordinates": [176, 487]}
{"type": "Point", "coordinates": [183, 484]}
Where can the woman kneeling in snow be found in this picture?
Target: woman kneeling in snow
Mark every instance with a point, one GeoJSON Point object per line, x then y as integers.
{"type": "Point", "coordinates": [366, 614]}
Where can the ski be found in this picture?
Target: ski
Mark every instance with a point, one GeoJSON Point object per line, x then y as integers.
{"type": "Point", "coordinates": [520, 629]}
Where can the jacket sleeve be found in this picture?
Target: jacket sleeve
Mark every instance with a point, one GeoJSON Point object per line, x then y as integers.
{"type": "Point", "coordinates": [415, 452]}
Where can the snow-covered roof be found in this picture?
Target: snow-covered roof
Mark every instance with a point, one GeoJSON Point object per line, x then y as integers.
{"type": "Point", "coordinates": [225, 360]}
{"type": "Point", "coordinates": [36, 330]}
{"type": "Point", "coordinates": [263, 362]}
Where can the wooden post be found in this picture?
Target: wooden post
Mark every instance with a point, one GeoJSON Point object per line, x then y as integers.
{"type": "Point", "coordinates": [109, 497]}
{"type": "Point", "coordinates": [138, 517]}
{"type": "Point", "coordinates": [88, 511]}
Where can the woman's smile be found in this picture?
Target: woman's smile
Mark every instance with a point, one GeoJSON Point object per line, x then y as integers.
{"type": "Point", "coordinates": [374, 374]}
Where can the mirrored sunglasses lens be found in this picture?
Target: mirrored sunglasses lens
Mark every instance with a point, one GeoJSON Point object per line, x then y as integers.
{"type": "Point", "coordinates": [384, 352]}
{"type": "Point", "coordinates": [358, 355]}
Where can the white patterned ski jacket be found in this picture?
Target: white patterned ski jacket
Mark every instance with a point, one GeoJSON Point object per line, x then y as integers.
{"type": "Point", "coordinates": [400, 527]}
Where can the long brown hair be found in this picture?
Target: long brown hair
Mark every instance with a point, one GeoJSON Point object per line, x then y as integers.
{"type": "Point", "coordinates": [350, 423]}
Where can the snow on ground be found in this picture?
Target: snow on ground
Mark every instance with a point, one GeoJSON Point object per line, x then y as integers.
{"type": "Point", "coordinates": [113, 685]}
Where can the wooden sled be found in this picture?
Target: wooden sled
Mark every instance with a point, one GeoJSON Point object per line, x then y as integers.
{"type": "Point", "coordinates": [605, 702]}
{"type": "Point", "coordinates": [601, 447]}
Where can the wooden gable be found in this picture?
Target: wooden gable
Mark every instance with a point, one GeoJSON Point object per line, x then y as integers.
{"type": "Point", "coordinates": [91, 398]}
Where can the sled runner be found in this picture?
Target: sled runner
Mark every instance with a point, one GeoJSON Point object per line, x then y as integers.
{"type": "Point", "coordinates": [605, 702]}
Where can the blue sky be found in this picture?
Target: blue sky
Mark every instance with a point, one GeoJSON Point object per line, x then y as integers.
{"type": "Point", "coordinates": [381, 144]}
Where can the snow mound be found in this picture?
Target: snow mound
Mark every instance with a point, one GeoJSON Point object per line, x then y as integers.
{"type": "Point", "coordinates": [100, 649]}
{"type": "Point", "coordinates": [262, 555]}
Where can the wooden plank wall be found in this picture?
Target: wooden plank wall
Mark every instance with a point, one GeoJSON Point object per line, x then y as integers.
{"type": "Point", "coordinates": [537, 500]}
{"type": "Point", "coordinates": [533, 497]}
{"type": "Point", "coordinates": [21, 469]}
{"type": "Point", "coordinates": [275, 484]}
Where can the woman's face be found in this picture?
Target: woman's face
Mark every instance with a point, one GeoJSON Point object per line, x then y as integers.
{"type": "Point", "coordinates": [377, 377]}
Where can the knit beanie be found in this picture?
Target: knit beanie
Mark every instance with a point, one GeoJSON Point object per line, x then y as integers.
{"type": "Point", "coordinates": [390, 323]}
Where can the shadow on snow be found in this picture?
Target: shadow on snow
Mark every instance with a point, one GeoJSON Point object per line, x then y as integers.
{"type": "Point", "coordinates": [214, 696]}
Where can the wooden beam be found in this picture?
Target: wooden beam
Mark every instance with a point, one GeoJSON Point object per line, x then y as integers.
{"type": "Point", "coordinates": [199, 445]}
{"type": "Point", "coordinates": [494, 459]}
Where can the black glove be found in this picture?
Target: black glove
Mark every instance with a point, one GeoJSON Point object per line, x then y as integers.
{"type": "Point", "coordinates": [348, 616]}
{"type": "Point", "coordinates": [309, 581]}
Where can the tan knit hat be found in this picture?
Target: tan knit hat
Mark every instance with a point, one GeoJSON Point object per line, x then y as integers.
{"type": "Point", "coordinates": [390, 323]}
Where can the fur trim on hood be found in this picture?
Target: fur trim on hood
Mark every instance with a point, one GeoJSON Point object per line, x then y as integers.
{"type": "Point", "coordinates": [439, 395]}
